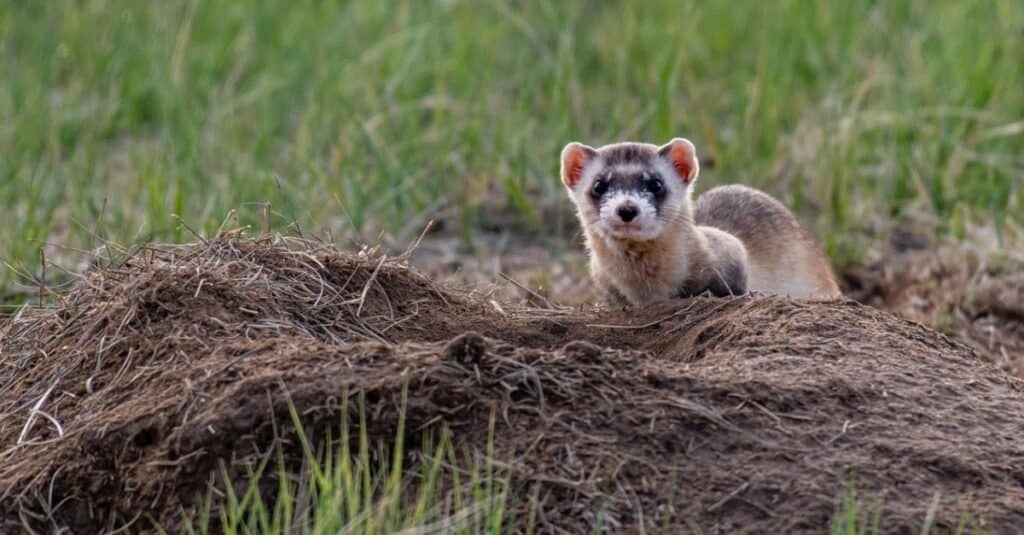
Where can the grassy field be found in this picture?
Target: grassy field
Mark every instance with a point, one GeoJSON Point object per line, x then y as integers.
{"type": "Point", "coordinates": [370, 118]}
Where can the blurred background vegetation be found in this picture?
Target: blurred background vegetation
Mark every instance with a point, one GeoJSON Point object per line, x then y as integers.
{"type": "Point", "coordinates": [367, 119]}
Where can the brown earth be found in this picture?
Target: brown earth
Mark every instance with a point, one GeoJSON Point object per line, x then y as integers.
{"type": "Point", "coordinates": [752, 414]}
{"type": "Point", "coordinates": [952, 290]}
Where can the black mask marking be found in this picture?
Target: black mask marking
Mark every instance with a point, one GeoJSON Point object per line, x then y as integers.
{"type": "Point", "coordinates": [647, 184]}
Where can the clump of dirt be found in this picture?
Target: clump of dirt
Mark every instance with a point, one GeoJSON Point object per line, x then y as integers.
{"type": "Point", "coordinates": [713, 415]}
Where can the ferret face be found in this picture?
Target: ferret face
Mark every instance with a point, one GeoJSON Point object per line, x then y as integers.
{"type": "Point", "coordinates": [629, 191]}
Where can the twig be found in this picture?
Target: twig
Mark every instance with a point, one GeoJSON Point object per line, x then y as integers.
{"type": "Point", "coordinates": [280, 189]}
{"type": "Point", "coordinates": [369, 282]}
{"type": "Point", "coordinates": [42, 278]}
{"type": "Point", "coordinates": [60, 429]}
{"type": "Point", "coordinates": [190, 229]}
{"type": "Point", "coordinates": [266, 218]}
{"type": "Point", "coordinates": [232, 214]}
{"type": "Point", "coordinates": [728, 497]}
{"type": "Point", "coordinates": [846, 425]}
{"type": "Point", "coordinates": [523, 287]}
{"type": "Point", "coordinates": [767, 512]}
{"type": "Point", "coordinates": [416, 244]}
{"type": "Point", "coordinates": [34, 411]}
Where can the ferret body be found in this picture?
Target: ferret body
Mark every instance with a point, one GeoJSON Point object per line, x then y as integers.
{"type": "Point", "coordinates": [649, 241]}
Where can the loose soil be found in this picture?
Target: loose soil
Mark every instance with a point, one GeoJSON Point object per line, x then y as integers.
{"type": "Point", "coordinates": [952, 290]}
{"type": "Point", "coordinates": [707, 415]}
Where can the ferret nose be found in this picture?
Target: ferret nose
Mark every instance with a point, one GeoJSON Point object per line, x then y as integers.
{"type": "Point", "coordinates": [627, 212]}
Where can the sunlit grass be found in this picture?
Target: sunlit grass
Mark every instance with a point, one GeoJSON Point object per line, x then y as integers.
{"type": "Point", "coordinates": [359, 487]}
{"type": "Point", "coordinates": [365, 118]}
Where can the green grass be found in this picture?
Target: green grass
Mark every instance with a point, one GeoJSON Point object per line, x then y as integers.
{"type": "Point", "coordinates": [857, 516]}
{"type": "Point", "coordinates": [852, 518]}
{"type": "Point", "coordinates": [363, 488]}
{"type": "Point", "coordinates": [365, 118]}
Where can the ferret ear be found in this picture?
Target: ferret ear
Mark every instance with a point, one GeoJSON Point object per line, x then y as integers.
{"type": "Point", "coordinates": [575, 156]}
{"type": "Point", "coordinates": [681, 153]}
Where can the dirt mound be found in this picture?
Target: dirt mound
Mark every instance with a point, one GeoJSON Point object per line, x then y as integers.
{"type": "Point", "coordinates": [952, 290]}
{"type": "Point", "coordinates": [751, 414]}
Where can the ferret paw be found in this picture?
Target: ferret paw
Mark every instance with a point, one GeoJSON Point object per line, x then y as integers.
{"type": "Point", "coordinates": [614, 299]}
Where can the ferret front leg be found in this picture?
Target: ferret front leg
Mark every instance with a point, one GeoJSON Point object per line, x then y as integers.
{"type": "Point", "coordinates": [614, 298]}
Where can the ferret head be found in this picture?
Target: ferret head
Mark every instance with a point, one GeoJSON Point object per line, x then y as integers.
{"type": "Point", "coordinates": [630, 191]}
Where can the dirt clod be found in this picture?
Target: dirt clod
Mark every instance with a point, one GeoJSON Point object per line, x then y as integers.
{"type": "Point", "coordinates": [731, 415]}
{"type": "Point", "coordinates": [466, 349]}
{"type": "Point", "coordinates": [582, 350]}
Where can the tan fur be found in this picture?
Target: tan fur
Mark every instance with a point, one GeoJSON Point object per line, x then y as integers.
{"type": "Point", "coordinates": [721, 250]}
{"type": "Point", "coordinates": [733, 237]}
{"type": "Point", "coordinates": [783, 258]}
{"type": "Point", "coordinates": [683, 261]}
{"type": "Point", "coordinates": [642, 271]}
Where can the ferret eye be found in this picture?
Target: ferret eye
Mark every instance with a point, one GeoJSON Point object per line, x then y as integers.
{"type": "Point", "coordinates": [600, 187]}
{"type": "Point", "coordinates": [655, 186]}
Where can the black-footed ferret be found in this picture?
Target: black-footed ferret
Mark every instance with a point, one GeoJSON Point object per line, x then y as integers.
{"type": "Point", "coordinates": [648, 241]}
